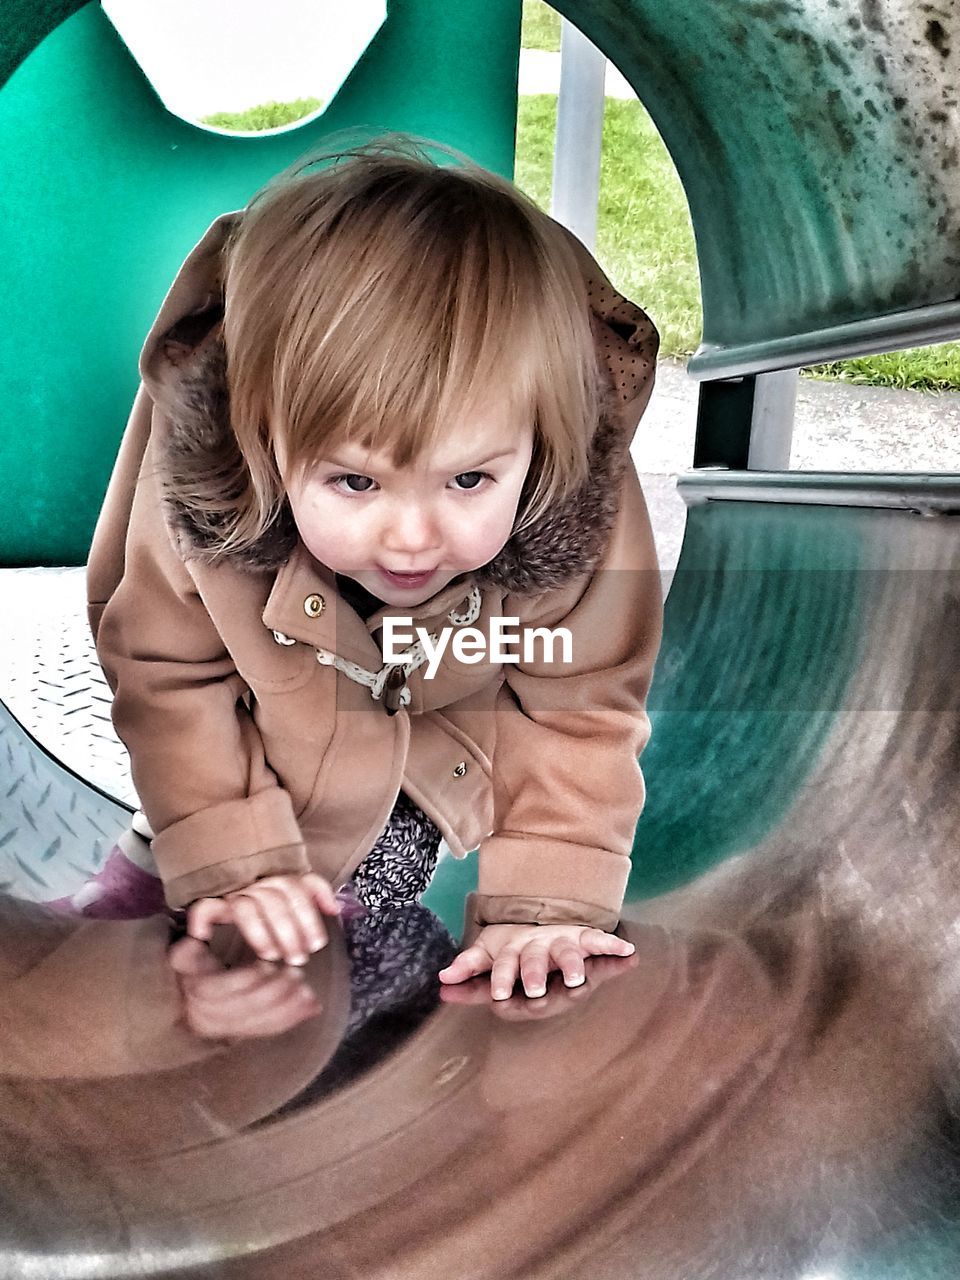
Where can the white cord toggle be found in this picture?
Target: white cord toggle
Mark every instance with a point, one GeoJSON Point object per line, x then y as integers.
{"type": "Point", "coordinates": [375, 680]}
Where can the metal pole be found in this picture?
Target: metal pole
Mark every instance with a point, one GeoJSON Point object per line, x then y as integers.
{"type": "Point", "coordinates": [576, 156]}
{"type": "Point", "coordinates": [746, 423]}
{"type": "Point", "coordinates": [774, 409]}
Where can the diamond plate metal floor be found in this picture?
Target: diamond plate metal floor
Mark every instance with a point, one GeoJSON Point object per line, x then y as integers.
{"type": "Point", "coordinates": [50, 678]}
{"type": "Point", "coordinates": [55, 829]}
{"type": "Point", "coordinates": [64, 775]}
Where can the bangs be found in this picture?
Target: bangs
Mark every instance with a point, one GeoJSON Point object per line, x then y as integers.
{"type": "Point", "coordinates": [448, 326]}
{"type": "Point", "coordinates": [381, 299]}
{"type": "Point", "coordinates": [464, 309]}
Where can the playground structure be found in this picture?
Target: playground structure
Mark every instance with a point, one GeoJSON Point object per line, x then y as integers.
{"type": "Point", "coordinates": [826, 206]}
{"type": "Point", "coordinates": [806, 693]}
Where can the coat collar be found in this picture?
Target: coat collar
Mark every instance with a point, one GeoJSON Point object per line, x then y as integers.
{"type": "Point", "coordinates": [183, 365]}
{"type": "Point", "coordinates": [338, 627]}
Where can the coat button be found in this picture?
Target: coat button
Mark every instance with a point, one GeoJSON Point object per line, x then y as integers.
{"type": "Point", "coordinates": [313, 606]}
{"type": "Point", "coordinates": [460, 769]}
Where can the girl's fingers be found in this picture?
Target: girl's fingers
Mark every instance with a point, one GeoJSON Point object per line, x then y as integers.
{"type": "Point", "coordinates": [470, 993]}
{"type": "Point", "coordinates": [211, 994]}
{"type": "Point", "coordinates": [278, 1012]}
{"type": "Point", "coordinates": [568, 958]}
{"type": "Point", "coordinates": [204, 914]}
{"type": "Point", "coordinates": [594, 942]}
{"type": "Point", "coordinates": [279, 916]}
{"type": "Point", "coordinates": [466, 965]}
{"type": "Point", "coordinates": [276, 909]}
{"type": "Point", "coordinates": [286, 1013]}
{"type": "Point", "coordinates": [534, 966]}
{"type": "Point", "coordinates": [504, 974]}
{"type": "Point", "coordinates": [271, 1009]}
{"type": "Point", "coordinates": [307, 906]}
{"type": "Point", "coordinates": [262, 993]}
{"type": "Point", "coordinates": [190, 958]}
{"type": "Point", "coordinates": [322, 893]}
{"type": "Point", "coordinates": [255, 926]}
{"type": "Point", "coordinates": [306, 932]}
{"type": "Point", "coordinates": [228, 983]}
{"type": "Point", "coordinates": [523, 1009]}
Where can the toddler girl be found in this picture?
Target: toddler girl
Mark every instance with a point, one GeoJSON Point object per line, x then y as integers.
{"type": "Point", "coordinates": [387, 388]}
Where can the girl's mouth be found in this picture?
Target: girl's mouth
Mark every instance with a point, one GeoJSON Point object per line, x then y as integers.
{"type": "Point", "coordinates": [409, 580]}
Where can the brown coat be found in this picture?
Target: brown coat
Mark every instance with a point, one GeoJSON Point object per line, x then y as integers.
{"type": "Point", "coordinates": [251, 758]}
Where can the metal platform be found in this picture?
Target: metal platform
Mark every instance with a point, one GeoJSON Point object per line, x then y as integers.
{"type": "Point", "coordinates": [50, 678]}
{"type": "Point", "coordinates": [66, 786]}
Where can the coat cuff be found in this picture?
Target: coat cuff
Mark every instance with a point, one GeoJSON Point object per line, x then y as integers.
{"type": "Point", "coordinates": [228, 846]}
{"type": "Point", "coordinates": [530, 880]}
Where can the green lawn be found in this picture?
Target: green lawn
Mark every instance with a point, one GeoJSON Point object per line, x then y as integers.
{"type": "Point", "coordinates": [645, 240]}
{"type": "Point", "coordinates": [268, 115]}
{"type": "Point", "coordinates": [541, 26]}
{"type": "Point", "coordinates": [922, 368]}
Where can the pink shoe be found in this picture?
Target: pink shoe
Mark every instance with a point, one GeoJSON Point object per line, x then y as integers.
{"type": "Point", "coordinates": [119, 891]}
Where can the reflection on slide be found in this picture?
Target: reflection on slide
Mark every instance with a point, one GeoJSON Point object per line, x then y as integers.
{"type": "Point", "coordinates": [765, 1089]}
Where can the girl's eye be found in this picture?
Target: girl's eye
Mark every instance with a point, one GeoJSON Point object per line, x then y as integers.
{"type": "Point", "coordinates": [365, 481]}
{"type": "Point", "coordinates": [351, 482]}
{"type": "Point", "coordinates": [475, 476]}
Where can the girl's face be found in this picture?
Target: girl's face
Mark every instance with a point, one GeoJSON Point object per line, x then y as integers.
{"type": "Point", "coordinates": [450, 511]}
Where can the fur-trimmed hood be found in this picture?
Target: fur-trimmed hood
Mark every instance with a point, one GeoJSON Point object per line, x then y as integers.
{"type": "Point", "coordinates": [183, 364]}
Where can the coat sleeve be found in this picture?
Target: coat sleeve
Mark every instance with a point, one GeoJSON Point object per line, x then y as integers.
{"type": "Point", "coordinates": [567, 784]}
{"type": "Point", "coordinates": [220, 817]}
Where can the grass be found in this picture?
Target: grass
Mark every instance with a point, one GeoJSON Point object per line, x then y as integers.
{"type": "Point", "coordinates": [268, 115]}
{"type": "Point", "coordinates": [541, 27]}
{"type": "Point", "coordinates": [920, 368]}
{"type": "Point", "coordinates": [645, 241]}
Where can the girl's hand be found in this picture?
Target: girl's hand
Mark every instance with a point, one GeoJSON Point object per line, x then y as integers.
{"type": "Point", "coordinates": [531, 952]}
{"type": "Point", "coordinates": [255, 1000]}
{"type": "Point", "coordinates": [278, 916]}
{"type": "Point", "coordinates": [558, 1000]}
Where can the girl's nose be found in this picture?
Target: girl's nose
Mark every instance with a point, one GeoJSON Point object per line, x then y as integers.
{"type": "Point", "coordinates": [411, 531]}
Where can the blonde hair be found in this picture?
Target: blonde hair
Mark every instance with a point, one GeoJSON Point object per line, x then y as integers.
{"type": "Point", "coordinates": [381, 295]}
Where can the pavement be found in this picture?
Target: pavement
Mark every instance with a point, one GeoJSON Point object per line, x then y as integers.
{"type": "Point", "coordinates": [838, 427]}
{"type": "Point", "coordinates": [540, 73]}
